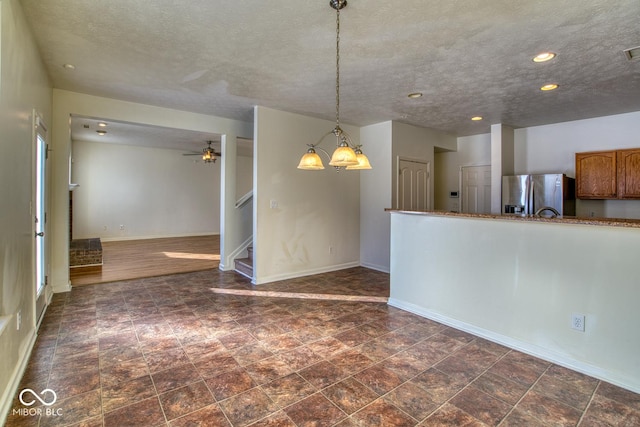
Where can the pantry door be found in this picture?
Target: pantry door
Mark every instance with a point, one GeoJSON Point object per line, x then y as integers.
{"type": "Point", "coordinates": [476, 189]}
{"type": "Point", "coordinates": [413, 185]}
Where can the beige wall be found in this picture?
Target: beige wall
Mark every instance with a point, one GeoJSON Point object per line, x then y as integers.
{"type": "Point", "coordinates": [315, 225]}
{"type": "Point", "coordinates": [67, 103]}
{"type": "Point", "coordinates": [151, 192]}
{"type": "Point", "coordinates": [24, 86]}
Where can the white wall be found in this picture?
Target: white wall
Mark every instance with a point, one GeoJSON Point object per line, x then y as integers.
{"type": "Point", "coordinates": [151, 192]}
{"type": "Point", "coordinates": [315, 226]}
{"type": "Point", "coordinates": [376, 196]}
{"type": "Point", "coordinates": [552, 148]}
{"type": "Point", "coordinates": [472, 150]}
{"type": "Point", "coordinates": [24, 85]}
{"type": "Point", "coordinates": [384, 143]}
{"type": "Point", "coordinates": [523, 291]}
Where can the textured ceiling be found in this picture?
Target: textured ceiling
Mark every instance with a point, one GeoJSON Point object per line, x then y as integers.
{"type": "Point", "coordinates": [468, 57]}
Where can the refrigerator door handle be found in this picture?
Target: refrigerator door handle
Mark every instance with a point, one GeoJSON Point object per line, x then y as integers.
{"type": "Point", "coordinates": [528, 193]}
{"type": "Point", "coordinates": [530, 199]}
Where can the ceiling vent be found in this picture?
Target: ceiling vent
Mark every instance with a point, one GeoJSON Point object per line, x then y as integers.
{"type": "Point", "coordinates": [633, 53]}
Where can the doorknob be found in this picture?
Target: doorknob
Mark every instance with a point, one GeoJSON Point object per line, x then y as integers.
{"type": "Point", "coordinates": [40, 234]}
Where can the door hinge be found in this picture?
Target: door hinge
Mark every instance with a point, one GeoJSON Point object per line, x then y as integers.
{"type": "Point", "coordinates": [46, 152]}
{"type": "Point", "coordinates": [46, 280]}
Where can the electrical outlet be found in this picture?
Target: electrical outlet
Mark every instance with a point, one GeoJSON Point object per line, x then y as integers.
{"type": "Point", "coordinates": [577, 322]}
{"type": "Point", "coordinates": [18, 320]}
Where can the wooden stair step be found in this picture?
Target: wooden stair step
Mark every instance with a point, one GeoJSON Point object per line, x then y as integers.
{"type": "Point", "coordinates": [244, 266]}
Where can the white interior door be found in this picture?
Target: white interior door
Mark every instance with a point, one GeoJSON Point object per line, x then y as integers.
{"type": "Point", "coordinates": [40, 214]}
{"type": "Point", "coordinates": [476, 189]}
{"type": "Point", "coordinates": [413, 185]}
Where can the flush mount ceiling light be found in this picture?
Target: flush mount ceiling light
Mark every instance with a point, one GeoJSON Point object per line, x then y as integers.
{"type": "Point", "coordinates": [476, 118]}
{"type": "Point", "coordinates": [347, 154]}
{"type": "Point", "coordinates": [101, 132]}
{"type": "Point", "coordinates": [550, 86]}
{"type": "Point", "coordinates": [544, 57]}
{"type": "Point", "coordinates": [69, 66]}
{"type": "Point", "coordinates": [415, 95]}
{"type": "Point", "coordinates": [102, 124]}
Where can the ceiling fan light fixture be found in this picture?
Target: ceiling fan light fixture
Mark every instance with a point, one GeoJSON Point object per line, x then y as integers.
{"type": "Point", "coordinates": [209, 157]}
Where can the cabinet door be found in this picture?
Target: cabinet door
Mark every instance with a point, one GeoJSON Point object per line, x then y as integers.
{"type": "Point", "coordinates": [629, 174]}
{"type": "Point", "coordinates": [596, 175]}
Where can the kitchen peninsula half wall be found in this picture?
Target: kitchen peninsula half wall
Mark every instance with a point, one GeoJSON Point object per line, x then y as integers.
{"type": "Point", "coordinates": [520, 281]}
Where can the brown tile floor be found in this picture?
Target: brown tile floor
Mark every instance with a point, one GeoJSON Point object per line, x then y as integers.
{"type": "Point", "coordinates": [169, 351]}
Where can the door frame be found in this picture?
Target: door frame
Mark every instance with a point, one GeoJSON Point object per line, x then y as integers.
{"type": "Point", "coordinates": [40, 246]}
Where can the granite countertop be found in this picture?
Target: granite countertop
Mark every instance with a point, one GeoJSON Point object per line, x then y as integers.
{"type": "Point", "coordinates": [610, 222]}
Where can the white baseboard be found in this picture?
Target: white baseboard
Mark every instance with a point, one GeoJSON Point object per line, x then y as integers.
{"type": "Point", "coordinates": [380, 268]}
{"type": "Point", "coordinates": [159, 236]}
{"type": "Point", "coordinates": [14, 381]}
{"type": "Point", "coordinates": [310, 272]}
{"type": "Point", "coordinates": [524, 347]}
{"type": "Point", "coordinates": [60, 289]}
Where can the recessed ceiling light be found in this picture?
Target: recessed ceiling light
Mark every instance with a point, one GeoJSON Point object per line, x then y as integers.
{"type": "Point", "coordinates": [69, 66]}
{"type": "Point", "coordinates": [544, 57]}
{"type": "Point", "coordinates": [476, 118]}
{"type": "Point", "coordinates": [101, 132]}
{"type": "Point", "coordinates": [415, 95]}
{"type": "Point", "coordinates": [550, 86]}
{"type": "Point", "coordinates": [102, 124]}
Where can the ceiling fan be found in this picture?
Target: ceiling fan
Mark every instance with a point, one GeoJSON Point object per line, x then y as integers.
{"type": "Point", "coordinates": [209, 155]}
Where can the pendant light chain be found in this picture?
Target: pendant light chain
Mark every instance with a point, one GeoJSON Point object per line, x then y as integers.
{"type": "Point", "coordinates": [338, 68]}
{"type": "Point", "coordinates": [347, 154]}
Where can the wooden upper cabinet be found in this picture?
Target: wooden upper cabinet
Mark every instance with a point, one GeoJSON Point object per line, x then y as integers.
{"type": "Point", "coordinates": [596, 175]}
{"type": "Point", "coordinates": [629, 174]}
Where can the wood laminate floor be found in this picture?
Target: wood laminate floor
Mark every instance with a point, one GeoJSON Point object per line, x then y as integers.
{"type": "Point", "coordinates": [134, 259]}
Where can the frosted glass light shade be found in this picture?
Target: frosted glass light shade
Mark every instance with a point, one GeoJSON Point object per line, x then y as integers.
{"type": "Point", "coordinates": [363, 162]}
{"type": "Point", "coordinates": [311, 161]}
{"type": "Point", "coordinates": [344, 156]}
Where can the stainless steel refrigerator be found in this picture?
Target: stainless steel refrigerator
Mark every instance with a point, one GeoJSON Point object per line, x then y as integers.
{"type": "Point", "coordinates": [529, 194]}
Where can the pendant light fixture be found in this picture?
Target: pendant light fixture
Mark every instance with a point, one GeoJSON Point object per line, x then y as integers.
{"type": "Point", "coordinates": [347, 154]}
